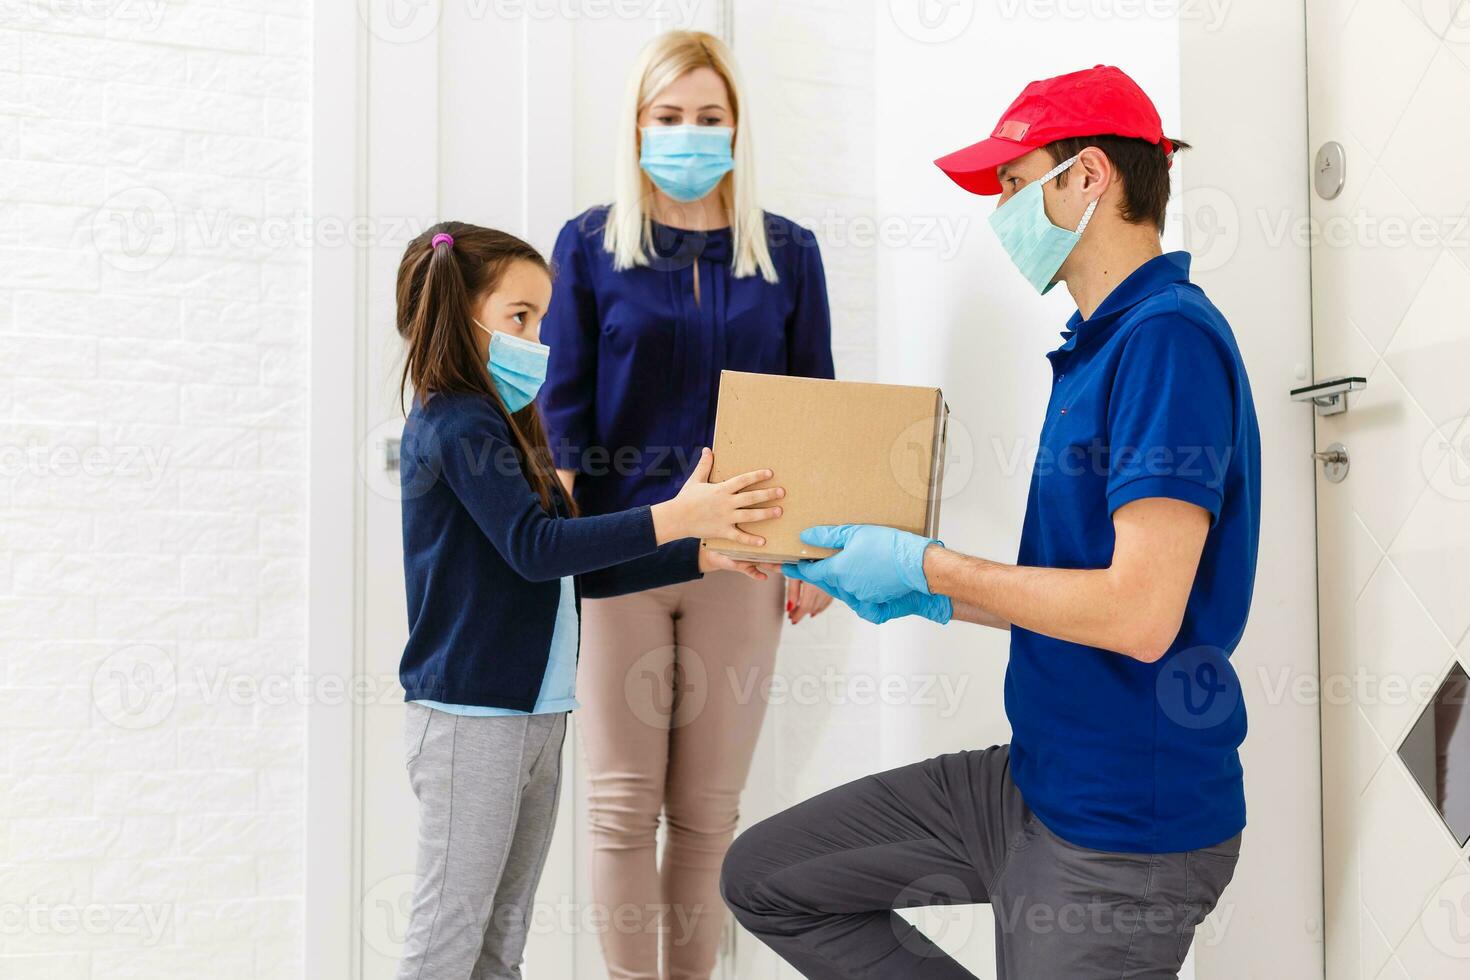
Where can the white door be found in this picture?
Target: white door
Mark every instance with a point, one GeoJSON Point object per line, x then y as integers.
{"type": "Point", "coordinates": [1389, 80]}
{"type": "Point", "coordinates": [445, 114]}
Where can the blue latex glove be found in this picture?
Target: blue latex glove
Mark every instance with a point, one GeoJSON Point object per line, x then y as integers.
{"type": "Point", "coordinates": [876, 564]}
{"type": "Point", "coordinates": [935, 608]}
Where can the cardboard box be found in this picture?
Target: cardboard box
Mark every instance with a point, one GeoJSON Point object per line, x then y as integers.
{"type": "Point", "coordinates": [846, 452]}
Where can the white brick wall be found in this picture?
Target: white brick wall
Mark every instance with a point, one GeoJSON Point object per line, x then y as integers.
{"type": "Point", "coordinates": [152, 477]}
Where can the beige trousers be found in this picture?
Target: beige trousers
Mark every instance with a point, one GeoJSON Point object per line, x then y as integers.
{"type": "Point", "coordinates": [671, 683]}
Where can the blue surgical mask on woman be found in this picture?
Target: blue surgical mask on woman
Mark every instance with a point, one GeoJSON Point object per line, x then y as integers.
{"type": "Point", "coordinates": [517, 366]}
{"type": "Point", "coordinates": [686, 162]}
{"type": "Point", "coordinates": [1034, 243]}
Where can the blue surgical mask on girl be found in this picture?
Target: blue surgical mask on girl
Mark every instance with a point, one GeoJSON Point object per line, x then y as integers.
{"type": "Point", "coordinates": [686, 162]}
{"type": "Point", "coordinates": [1034, 243]}
{"type": "Point", "coordinates": [517, 366]}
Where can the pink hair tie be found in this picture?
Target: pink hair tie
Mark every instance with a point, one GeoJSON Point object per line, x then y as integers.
{"type": "Point", "coordinates": [442, 239]}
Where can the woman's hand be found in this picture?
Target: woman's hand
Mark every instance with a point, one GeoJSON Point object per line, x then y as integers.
{"type": "Point", "coordinates": [804, 599]}
{"type": "Point", "coordinates": [713, 561]}
{"type": "Point", "coordinates": [715, 510]}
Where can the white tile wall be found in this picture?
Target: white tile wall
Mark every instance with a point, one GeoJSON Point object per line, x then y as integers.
{"type": "Point", "coordinates": [153, 474]}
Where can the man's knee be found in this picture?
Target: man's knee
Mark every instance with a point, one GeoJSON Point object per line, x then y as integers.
{"type": "Point", "coordinates": [748, 864]}
{"type": "Point", "coordinates": [738, 874]}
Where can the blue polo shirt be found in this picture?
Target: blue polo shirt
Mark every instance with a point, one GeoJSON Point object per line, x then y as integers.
{"type": "Point", "coordinates": [1149, 399]}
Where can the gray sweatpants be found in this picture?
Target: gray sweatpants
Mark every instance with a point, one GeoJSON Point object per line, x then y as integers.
{"type": "Point", "coordinates": [487, 792]}
{"type": "Point", "coordinates": [819, 882]}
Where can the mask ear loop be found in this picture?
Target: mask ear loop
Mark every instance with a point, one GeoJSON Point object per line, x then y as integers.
{"type": "Point", "coordinates": [1061, 168]}
{"type": "Point", "coordinates": [1086, 217]}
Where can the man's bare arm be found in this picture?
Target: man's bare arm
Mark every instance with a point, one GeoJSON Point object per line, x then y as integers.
{"type": "Point", "coordinates": [1133, 607]}
{"type": "Point", "coordinates": [970, 613]}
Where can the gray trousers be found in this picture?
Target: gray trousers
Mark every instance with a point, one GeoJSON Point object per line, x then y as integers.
{"type": "Point", "coordinates": [487, 792]}
{"type": "Point", "coordinates": [819, 882]}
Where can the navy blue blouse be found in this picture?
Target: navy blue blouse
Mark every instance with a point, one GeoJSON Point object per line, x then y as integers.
{"type": "Point", "coordinates": [635, 366]}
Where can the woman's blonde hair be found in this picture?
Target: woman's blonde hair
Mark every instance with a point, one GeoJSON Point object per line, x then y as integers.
{"type": "Point", "coordinates": [627, 235]}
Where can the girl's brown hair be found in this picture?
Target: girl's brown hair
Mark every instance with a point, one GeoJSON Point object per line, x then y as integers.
{"type": "Point", "coordinates": [438, 286]}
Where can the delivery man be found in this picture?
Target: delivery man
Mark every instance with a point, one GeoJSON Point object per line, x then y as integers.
{"type": "Point", "coordinates": [1108, 828]}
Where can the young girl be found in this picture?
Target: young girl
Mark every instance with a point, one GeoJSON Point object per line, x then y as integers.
{"type": "Point", "coordinates": [496, 564]}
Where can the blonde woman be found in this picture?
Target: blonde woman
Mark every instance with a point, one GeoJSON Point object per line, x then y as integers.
{"type": "Point", "coordinates": [682, 276]}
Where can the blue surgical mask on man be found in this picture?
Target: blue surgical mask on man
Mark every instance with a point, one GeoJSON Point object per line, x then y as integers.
{"type": "Point", "coordinates": [686, 162]}
{"type": "Point", "coordinates": [1035, 244]}
{"type": "Point", "coordinates": [517, 366]}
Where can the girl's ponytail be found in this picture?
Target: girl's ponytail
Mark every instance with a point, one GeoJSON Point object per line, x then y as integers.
{"type": "Point", "coordinates": [441, 351]}
{"type": "Point", "coordinates": [443, 273]}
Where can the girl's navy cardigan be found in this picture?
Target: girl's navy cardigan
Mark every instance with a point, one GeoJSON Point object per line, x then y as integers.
{"type": "Point", "coordinates": [483, 561]}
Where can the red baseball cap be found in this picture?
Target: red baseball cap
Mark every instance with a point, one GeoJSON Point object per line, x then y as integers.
{"type": "Point", "coordinates": [1093, 102]}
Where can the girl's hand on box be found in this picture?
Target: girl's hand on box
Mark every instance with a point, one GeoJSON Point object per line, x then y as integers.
{"type": "Point", "coordinates": [716, 510]}
{"type": "Point", "coordinates": [804, 599]}
{"type": "Point", "coordinates": [713, 561]}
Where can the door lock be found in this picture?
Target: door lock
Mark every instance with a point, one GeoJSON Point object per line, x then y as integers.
{"type": "Point", "coordinates": [1335, 462]}
{"type": "Point", "coordinates": [1329, 170]}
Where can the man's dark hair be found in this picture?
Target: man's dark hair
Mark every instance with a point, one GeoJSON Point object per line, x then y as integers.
{"type": "Point", "coordinates": [1143, 166]}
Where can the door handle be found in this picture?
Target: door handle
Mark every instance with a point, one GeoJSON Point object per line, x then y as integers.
{"type": "Point", "coordinates": [1330, 396]}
